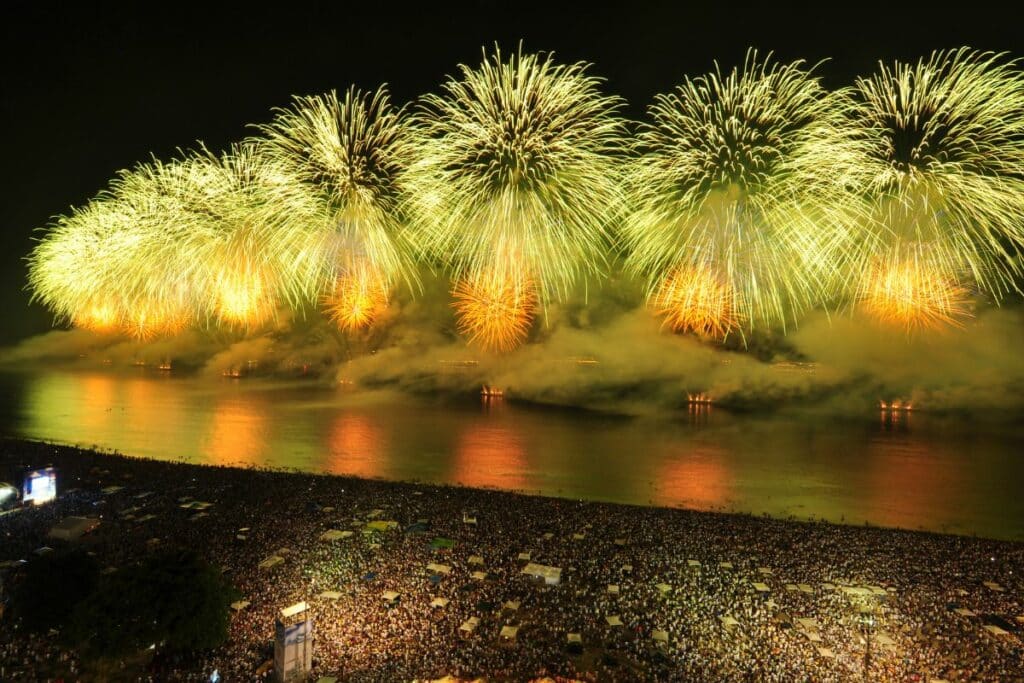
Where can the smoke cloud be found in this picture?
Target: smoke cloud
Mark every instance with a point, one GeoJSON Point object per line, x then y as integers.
{"type": "Point", "coordinates": [606, 353]}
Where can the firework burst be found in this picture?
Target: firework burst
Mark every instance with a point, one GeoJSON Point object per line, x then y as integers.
{"type": "Point", "coordinates": [517, 174]}
{"type": "Point", "coordinates": [946, 185]}
{"type": "Point", "coordinates": [495, 310]}
{"type": "Point", "coordinates": [348, 156]}
{"type": "Point", "coordinates": [739, 197]}
{"type": "Point", "coordinates": [357, 300]}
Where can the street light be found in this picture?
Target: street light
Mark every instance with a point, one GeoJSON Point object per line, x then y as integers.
{"type": "Point", "coordinates": [867, 626]}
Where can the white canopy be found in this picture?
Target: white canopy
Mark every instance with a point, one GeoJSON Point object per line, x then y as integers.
{"type": "Point", "coordinates": [439, 568]}
{"type": "Point", "coordinates": [660, 636]}
{"type": "Point", "coordinates": [479, 576]}
{"type": "Point", "coordinates": [575, 638]}
{"type": "Point", "coordinates": [271, 561]}
{"type": "Point", "coordinates": [551, 575]}
{"type": "Point", "coordinates": [476, 559]}
{"type": "Point", "coordinates": [439, 602]}
{"type": "Point", "coordinates": [613, 620]}
{"type": "Point", "coordinates": [509, 632]}
{"type": "Point", "coordinates": [692, 563]}
{"type": "Point", "coordinates": [511, 605]}
{"type": "Point", "coordinates": [725, 565]}
{"type": "Point", "coordinates": [240, 605]}
{"type": "Point", "coordinates": [330, 595]}
{"type": "Point", "coordinates": [761, 587]}
{"type": "Point", "coordinates": [292, 610]}
{"type": "Point", "coordinates": [390, 596]}
{"type": "Point", "coordinates": [728, 621]}
{"type": "Point", "coordinates": [525, 556]}
{"type": "Point", "coordinates": [334, 535]}
{"type": "Point", "coordinates": [826, 653]}
{"type": "Point", "coordinates": [663, 587]}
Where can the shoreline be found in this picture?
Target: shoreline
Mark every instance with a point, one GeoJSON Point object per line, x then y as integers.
{"type": "Point", "coordinates": [458, 486]}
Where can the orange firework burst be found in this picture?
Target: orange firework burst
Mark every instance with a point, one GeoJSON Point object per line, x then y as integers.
{"type": "Point", "coordinates": [357, 300]}
{"type": "Point", "coordinates": [97, 317]}
{"type": "Point", "coordinates": [149, 321]}
{"type": "Point", "coordinates": [694, 299]}
{"type": "Point", "coordinates": [495, 311]}
{"type": "Point", "coordinates": [242, 299]}
{"type": "Point", "coordinates": [913, 296]}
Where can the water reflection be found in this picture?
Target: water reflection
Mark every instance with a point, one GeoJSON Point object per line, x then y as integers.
{"type": "Point", "coordinates": [695, 478]}
{"type": "Point", "coordinates": [237, 433]}
{"type": "Point", "coordinates": [911, 470]}
{"type": "Point", "coordinates": [357, 447]}
{"type": "Point", "coordinates": [490, 455]}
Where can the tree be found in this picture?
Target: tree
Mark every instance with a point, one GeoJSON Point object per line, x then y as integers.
{"type": "Point", "coordinates": [172, 599]}
{"type": "Point", "coordinates": [50, 588]}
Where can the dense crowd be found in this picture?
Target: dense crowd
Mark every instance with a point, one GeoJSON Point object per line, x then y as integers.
{"type": "Point", "coordinates": [687, 577]}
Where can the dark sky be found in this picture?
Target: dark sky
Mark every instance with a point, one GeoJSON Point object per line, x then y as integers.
{"type": "Point", "coordinates": [87, 90]}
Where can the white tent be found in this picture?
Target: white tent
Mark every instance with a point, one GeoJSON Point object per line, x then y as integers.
{"type": "Point", "coordinates": [725, 565]}
{"type": "Point", "coordinates": [439, 602]}
{"type": "Point", "coordinates": [660, 636]}
{"type": "Point", "coordinates": [240, 605]}
{"type": "Point", "coordinates": [470, 624]}
{"type": "Point", "coordinates": [992, 585]}
{"type": "Point", "coordinates": [575, 638]}
{"type": "Point", "coordinates": [476, 559]}
{"type": "Point", "coordinates": [271, 561]}
{"type": "Point", "coordinates": [995, 630]}
{"type": "Point", "coordinates": [808, 623]}
{"type": "Point", "coordinates": [479, 576]}
{"type": "Point", "coordinates": [509, 632]}
{"type": "Point", "coordinates": [728, 621]}
{"type": "Point", "coordinates": [692, 563]}
{"type": "Point", "coordinates": [524, 557]}
{"type": "Point", "coordinates": [511, 605]}
{"type": "Point", "coordinates": [334, 535]}
{"type": "Point", "coordinates": [73, 528]}
{"type": "Point", "coordinates": [764, 570]}
{"type": "Point", "coordinates": [551, 575]}
{"type": "Point", "coordinates": [292, 610]}
{"type": "Point", "coordinates": [613, 620]}
{"type": "Point", "coordinates": [663, 587]}
{"type": "Point", "coordinates": [390, 596]}
{"type": "Point", "coordinates": [826, 653]}
{"type": "Point", "coordinates": [330, 595]}
{"type": "Point", "coordinates": [613, 589]}
{"type": "Point", "coordinates": [761, 587]}
{"type": "Point", "coordinates": [439, 568]}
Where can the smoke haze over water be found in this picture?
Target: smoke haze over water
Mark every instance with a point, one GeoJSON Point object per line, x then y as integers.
{"type": "Point", "coordinates": [607, 354]}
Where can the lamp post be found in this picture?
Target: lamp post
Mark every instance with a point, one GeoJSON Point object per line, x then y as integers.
{"type": "Point", "coordinates": [867, 626]}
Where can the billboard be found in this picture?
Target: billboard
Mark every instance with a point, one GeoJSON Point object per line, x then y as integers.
{"type": "Point", "coordinates": [40, 486]}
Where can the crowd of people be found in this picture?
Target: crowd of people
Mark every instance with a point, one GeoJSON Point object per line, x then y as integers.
{"type": "Point", "coordinates": [653, 594]}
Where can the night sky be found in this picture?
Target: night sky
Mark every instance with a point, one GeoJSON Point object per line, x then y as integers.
{"type": "Point", "coordinates": [90, 90]}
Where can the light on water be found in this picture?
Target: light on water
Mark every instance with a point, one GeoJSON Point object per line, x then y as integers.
{"type": "Point", "coordinates": [908, 470]}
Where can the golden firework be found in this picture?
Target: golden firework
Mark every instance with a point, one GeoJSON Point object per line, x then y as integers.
{"type": "Point", "coordinates": [495, 310]}
{"type": "Point", "coordinates": [697, 300]}
{"type": "Point", "coordinates": [358, 299]}
{"type": "Point", "coordinates": [914, 296]}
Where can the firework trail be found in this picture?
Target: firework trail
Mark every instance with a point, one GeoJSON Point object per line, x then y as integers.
{"type": "Point", "coordinates": [348, 155]}
{"type": "Point", "coordinates": [739, 197]}
{"type": "Point", "coordinates": [517, 178]}
{"type": "Point", "coordinates": [945, 185]}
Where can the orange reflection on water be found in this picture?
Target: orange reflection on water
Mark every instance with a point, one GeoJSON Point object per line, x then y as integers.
{"type": "Point", "coordinates": [912, 482]}
{"type": "Point", "coordinates": [357, 447]}
{"type": "Point", "coordinates": [237, 433]}
{"type": "Point", "coordinates": [99, 404]}
{"type": "Point", "coordinates": [697, 478]}
{"type": "Point", "coordinates": [490, 455]}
